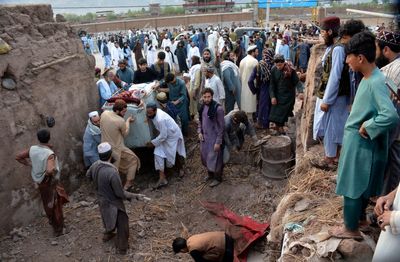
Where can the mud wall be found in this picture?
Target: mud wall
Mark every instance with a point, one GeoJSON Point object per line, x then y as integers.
{"type": "Point", "coordinates": [313, 79]}
{"type": "Point", "coordinates": [224, 19]}
{"type": "Point", "coordinates": [46, 73]}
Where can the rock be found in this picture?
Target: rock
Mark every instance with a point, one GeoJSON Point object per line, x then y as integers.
{"type": "Point", "coordinates": [54, 243]}
{"type": "Point", "coordinates": [355, 251]}
{"type": "Point", "coordinates": [142, 233]}
{"type": "Point", "coordinates": [15, 252]}
{"type": "Point", "coordinates": [4, 47]}
{"type": "Point", "coordinates": [141, 224]}
{"type": "Point", "coordinates": [8, 83]}
{"type": "Point", "coordinates": [302, 205]}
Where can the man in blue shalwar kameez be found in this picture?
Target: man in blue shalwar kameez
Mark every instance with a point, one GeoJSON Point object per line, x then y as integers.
{"type": "Point", "coordinates": [91, 139]}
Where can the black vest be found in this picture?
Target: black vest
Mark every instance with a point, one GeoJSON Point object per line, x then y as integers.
{"type": "Point", "coordinates": [344, 84]}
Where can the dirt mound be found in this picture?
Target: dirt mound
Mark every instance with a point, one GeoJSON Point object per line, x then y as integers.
{"type": "Point", "coordinates": [46, 73]}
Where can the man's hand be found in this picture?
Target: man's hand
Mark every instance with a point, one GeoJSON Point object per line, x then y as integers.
{"type": "Point", "coordinates": [384, 219]}
{"type": "Point", "coordinates": [149, 145]}
{"type": "Point", "coordinates": [274, 101]}
{"type": "Point", "coordinates": [130, 119]}
{"type": "Point", "coordinates": [217, 147]}
{"type": "Point", "coordinates": [176, 102]}
{"type": "Point", "coordinates": [383, 204]}
{"type": "Point", "coordinates": [324, 107]}
{"type": "Point", "coordinates": [201, 138]}
{"type": "Point", "coordinates": [363, 132]}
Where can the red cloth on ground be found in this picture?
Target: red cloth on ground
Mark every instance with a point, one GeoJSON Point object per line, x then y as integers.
{"type": "Point", "coordinates": [244, 230]}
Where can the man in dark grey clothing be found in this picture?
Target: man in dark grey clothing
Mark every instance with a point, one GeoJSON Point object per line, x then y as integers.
{"type": "Point", "coordinates": [110, 194]}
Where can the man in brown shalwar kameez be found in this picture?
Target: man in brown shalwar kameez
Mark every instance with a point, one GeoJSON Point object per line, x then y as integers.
{"type": "Point", "coordinates": [113, 130]}
{"type": "Point", "coordinates": [46, 173]}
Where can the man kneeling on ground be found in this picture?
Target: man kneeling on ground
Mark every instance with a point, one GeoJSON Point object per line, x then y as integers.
{"type": "Point", "coordinates": [206, 247]}
{"type": "Point", "coordinates": [237, 126]}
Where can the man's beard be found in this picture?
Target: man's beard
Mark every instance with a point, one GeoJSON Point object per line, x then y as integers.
{"type": "Point", "coordinates": [381, 61]}
{"type": "Point", "coordinates": [206, 59]}
{"type": "Point", "coordinates": [329, 41]}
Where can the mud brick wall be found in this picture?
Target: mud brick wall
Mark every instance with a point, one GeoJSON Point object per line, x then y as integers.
{"type": "Point", "coordinates": [46, 73]}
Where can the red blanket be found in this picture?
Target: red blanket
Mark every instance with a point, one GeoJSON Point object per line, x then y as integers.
{"type": "Point", "coordinates": [243, 230]}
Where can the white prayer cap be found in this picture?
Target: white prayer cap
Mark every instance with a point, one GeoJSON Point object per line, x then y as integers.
{"type": "Point", "coordinates": [186, 75]}
{"type": "Point", "coordinates": [251, 48]}
{"type": "Point", "coordinates": [93, 114]}
{"type": "Point", "coordinates": [103, 147]}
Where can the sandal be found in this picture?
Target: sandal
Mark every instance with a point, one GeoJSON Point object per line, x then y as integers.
{"type": "Point", "coordinates": [323, 165]}
{"type": "Point", "coordinates": [160, 184]}
{"type": "Point", "coordinates": [341, 233]}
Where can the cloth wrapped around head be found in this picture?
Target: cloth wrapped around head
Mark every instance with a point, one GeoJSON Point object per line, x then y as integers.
{"type": "Point", "coordinates": [331, 23]}
{"type": "Point", "coordinates": [266, 64]}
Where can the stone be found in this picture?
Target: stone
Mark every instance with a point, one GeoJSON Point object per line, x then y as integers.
{"type": "Point", "coordinates": [302, 205]}
{"type": "Point", "coordinates": [8, 83]}
{"type": "Point", "coordinates": [355, 251]}
{"type": "Point", "coordinates": [141, 224]}
{"type": "Point", "coordinates": [142, 233]}
{"type": "Point", "coordinates": [14, 252]}
{"type": "Point", "coordinates": [4, 47]}
{"type": "Point", "coordinates": [54, 243]}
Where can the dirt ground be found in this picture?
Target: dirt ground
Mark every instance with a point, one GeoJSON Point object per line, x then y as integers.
{"type": "Point", "coordinates": [154, 224]}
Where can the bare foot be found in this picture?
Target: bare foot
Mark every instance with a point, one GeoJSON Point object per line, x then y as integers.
{"type": "Point", "coordinates": [344, 233]}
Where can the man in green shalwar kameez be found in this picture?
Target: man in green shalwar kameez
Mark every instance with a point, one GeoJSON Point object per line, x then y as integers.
{"type": "Point", "coordinates": [365, 143]}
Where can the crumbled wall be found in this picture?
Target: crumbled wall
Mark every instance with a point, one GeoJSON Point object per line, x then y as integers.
{"type": "Point", "coordinates": [313, 79]}
{"type": "Point", "coordinates": [46, 73]}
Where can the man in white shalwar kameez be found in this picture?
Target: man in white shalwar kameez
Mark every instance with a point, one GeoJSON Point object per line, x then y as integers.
{"type": "Point", "coordinates": [114, 54]}
{"type": "Point", "coordinates": [151, 54]}
{"type": "Point", "coordinates": [166, 42]}
{"type": "Point", "coordinates": [167, 144]}
{"type": "Point", "coordinates": [193, 51]}
{"type": "Point", "coordinates": [247, 65]}
{"type": "Point", "coordinates": [387, 209]}
{"type": "Point", "coordinates": [212, 41]}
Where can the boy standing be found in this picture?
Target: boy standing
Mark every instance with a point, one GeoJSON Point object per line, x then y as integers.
{"type": "Point", "coordinates": [365, 142]}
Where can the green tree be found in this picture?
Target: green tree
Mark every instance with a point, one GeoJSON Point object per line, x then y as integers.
{"type": "Point", "coordinates": [111, 16]}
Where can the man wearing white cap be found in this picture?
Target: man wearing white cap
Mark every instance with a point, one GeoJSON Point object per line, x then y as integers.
{"type": "Point", "coordinates": [247, 65]}
{"type": "Point", "coordinates": [91, 139]}
{"type": "Point", "coordinates": [167, 144]}
{"type": "Point", "coordinates": [110, 195]}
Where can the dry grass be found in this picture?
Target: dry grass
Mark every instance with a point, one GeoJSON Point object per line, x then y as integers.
{"type": "Point", "coordinates": [315, 185]}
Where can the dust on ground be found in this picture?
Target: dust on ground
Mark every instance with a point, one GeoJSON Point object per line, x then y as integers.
{"type": "Point", "coordinates": [154, 224]}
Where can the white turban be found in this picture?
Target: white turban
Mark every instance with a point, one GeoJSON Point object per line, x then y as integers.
{"type": "Point", "coordinates": [93, 114]}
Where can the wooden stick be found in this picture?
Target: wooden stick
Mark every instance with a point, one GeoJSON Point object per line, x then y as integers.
{"type": "Point", "coordinates": [54, 62]}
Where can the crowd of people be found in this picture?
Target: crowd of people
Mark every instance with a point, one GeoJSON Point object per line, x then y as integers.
{"type": "Point", "coordinates": [231, 85]}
